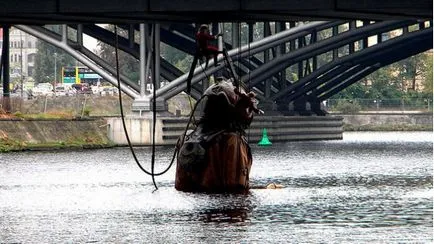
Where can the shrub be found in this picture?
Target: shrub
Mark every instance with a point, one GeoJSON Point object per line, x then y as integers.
{"type": "Point", "coordinates": [86, 112]}
{"type": "Point", "coordinates": [348, 107]}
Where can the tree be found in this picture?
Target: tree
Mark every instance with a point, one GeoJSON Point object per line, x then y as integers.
{"type": "Point", "coordinates": [410, 69]}
{"type": "Point", "coordinates": [128, 65]}
{"type": "Point", "coordinates": [355, 91]}
{"type": "Point", "coordinates": [179, 59]}
{"type": "Point", "coordinates": [428, 78]}
{"type": "Point", "coordinates": [44, 62]}
{"type": "Point", "coordinates": [384, 85]}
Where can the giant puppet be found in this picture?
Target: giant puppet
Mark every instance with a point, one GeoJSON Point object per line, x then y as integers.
{"type": "Point", "coordinates": [215, 156]}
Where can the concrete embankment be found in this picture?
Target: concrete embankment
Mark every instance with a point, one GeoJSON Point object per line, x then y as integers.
{"type": "Point", "coordinates": [280, 129]}
{"type": "Point", "coordinates": [388, 121]}
{"type": "Point", "coordinates": [51, 134]}
{"type": "Point", "coordinates": [16, 134]}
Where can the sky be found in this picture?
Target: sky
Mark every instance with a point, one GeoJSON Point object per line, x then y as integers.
{"type": "Point", "coordinates": [89, 42]}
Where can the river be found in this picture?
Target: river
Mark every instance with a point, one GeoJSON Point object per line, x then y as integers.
{"type": "Point", "coordinates": [370, 187]}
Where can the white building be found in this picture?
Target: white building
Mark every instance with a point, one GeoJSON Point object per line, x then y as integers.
{"type": "Point", "coordinates": [21, 53]}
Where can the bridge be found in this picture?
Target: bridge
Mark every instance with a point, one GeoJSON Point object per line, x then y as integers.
{"type": "Point", "coordinates": [326, 55]}
{"type": "Point", "coordinates": [137, 11]}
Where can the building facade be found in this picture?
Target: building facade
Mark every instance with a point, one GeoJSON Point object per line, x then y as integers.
{"type": "Point", "coordinates": [22, 52]}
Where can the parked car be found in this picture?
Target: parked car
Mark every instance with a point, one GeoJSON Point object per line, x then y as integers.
{"type": "Point", "coordinates": [82, 88]}
{"type": "Point", "coordinates": [60, 91]}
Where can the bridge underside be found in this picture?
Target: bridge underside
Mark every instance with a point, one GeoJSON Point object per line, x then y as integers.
{"type": "Point", "coordinates": [115, 11]}
{"type": "Point", "coordinates": [324, 56]}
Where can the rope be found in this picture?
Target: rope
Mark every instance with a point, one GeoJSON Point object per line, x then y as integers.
{"type": "Point", "coordinates": [152, 173]}
{"type": "Point", "coordinates": [191, 117]}
{"type": "Point", "coordinates": [154, 114]}
{"type": "Point", "coordinates": [250, 65]}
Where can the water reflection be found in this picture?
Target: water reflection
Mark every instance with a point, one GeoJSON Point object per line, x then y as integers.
{"type": "Point", "coordinates": [231, 215]}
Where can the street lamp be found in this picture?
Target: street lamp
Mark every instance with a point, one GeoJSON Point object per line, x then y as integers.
{"type": "Point", "coordinates": [55, 73]}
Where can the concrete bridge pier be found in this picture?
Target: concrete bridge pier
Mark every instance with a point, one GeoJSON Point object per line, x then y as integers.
{"type": "Point", "coordinates": [149, 71]}
{"type": "Point", "coordinates": [143, 105]}
{"type": "Point", "coordinates": [139, 124]}
{"type": "Point", "coordinates": [303, 107]}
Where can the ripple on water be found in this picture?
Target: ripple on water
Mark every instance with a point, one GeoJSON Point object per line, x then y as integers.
{"type": "Point", "coordinates": [373, 187]}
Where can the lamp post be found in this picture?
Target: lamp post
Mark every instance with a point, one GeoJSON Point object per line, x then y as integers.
{"type": "Point", "coordinates": [55, 73]}
{"type": "Point", "coordinates": [21, 67]}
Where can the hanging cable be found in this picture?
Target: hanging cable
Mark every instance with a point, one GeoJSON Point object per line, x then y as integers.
{"type": "Point", "coordinates": [248, 68]}
{"type": "Point", "coordinates": [153, 174]}
{"type": "Point", "coordinates": [239, 56]}
{"type": "Point", "coordinates": [154, 107]}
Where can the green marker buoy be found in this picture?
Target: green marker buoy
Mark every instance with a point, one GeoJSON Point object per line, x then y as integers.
{"type": "Point", "coordinates": [264, 141]}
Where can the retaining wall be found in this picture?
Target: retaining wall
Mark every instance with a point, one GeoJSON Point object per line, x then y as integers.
{"type": "Point", "coordinates": [54, 131]}
{"type": "Point", "coordinates": [279, 128]}
{"type": "Point", "coordinates": [168, 129]}
{"type": "Point", "coordinates": [388, 119]}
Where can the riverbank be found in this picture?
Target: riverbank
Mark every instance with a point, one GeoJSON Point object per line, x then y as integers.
{"type": "Point", "coordinates": [400, 127]}
{"type": "Point", "coordinates": [387, 121]}
{"type": "Point", "coordinates": [52, 134]}
{"type": "Point", "coordinates": [35, 134]}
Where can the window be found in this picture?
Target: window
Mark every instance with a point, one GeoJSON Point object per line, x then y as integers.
{"type": "Point", "coordinates": [29, 70]}
{"type": "Point", "coordinates": [30, 58]}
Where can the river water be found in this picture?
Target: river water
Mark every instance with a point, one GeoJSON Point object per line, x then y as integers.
{"type": "Point", "coordinates": [367, 188]}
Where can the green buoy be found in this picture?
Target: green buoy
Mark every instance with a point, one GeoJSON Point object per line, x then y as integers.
{"type": "Point", "coordinates": [264, 141]}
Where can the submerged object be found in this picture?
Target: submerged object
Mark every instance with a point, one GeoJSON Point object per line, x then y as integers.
{"type": "Point", "coordinates": [274, 186]}
{"type": "Point", "coordinates": [215, 156]}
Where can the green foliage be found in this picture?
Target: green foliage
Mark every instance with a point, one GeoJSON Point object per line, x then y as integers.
{"type": "Point", "coordinates": [347, 107]}
{"type": "Point", "coordinates": [355, 91]}
{"type": "Point", "coordinates": [384, 85]}
{"type": "Point", "coordinates": [86, 111]}
{"type": "Point", "coordinates": [179, 59]}
{"type": "Point", "coordinates": [49, 115]}
{"type": "Point", "coordinates": [18, 114]}
{"type": "Point", "coordinates": [396, 81]}
{"type": "Point", "coordinates": [7, 144]}
{"type": "Point", "coordinates": [44, 62]}
{"type": "Point", "coordinates": [428, 78]}
{"type": "Point", "coordinates": [128, 65]}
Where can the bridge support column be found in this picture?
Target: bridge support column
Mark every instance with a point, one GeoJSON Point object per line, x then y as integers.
{"type": "Point", "coordinates": [303, 107]}
{"type": "Point", "coordinates": [317, 107]}
{"type": "Point", "coordinates": [5, 66]}
{"type": "Point", "coordinates": [149, 68]}
{"type": "Point", "coordinates": [142, 106]}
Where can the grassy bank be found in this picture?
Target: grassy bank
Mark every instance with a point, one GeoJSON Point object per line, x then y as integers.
{"type": "Point", "coordinates": [89, 141]}
{"type": "Point", "coordinates": [51, 131]}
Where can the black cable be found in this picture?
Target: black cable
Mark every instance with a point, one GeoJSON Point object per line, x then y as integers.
{"type": "Point", "coordinates": [152, 173]}
{"type": "Point", "coordinates": [192, 116]}
{"type": "Point", "coordinates": [204, 71]}
{"type": "Point", "coordinates": [123, 117]}
{"type": "Point", "coordinates": [250, 65]}
{"type": "Point", "coordinates": [154, 113]}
